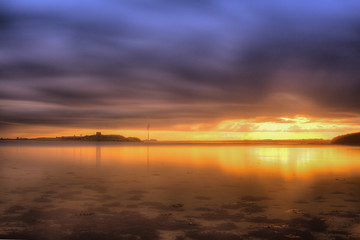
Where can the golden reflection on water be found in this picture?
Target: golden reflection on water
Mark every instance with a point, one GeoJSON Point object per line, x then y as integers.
{"type": "Point", "coordinates": [250, 186]}
{"type": "Point", "coordinates": [286, 161]}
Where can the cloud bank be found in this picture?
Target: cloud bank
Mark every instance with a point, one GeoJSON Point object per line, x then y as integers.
{"type": "Point", "coordinates": [115, 64]}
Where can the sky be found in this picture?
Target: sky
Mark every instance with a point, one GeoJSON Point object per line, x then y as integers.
{"type": "Point", "coordinates": [194, 70]}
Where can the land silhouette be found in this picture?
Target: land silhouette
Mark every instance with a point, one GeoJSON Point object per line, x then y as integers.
{"type": "Point", "coordinates": [98, 137]}
{"type": "Point", "coordinates": [347, 139]}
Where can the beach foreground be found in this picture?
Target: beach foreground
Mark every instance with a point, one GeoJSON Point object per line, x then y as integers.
{"type": "Point", "coordinates": [56, 190]}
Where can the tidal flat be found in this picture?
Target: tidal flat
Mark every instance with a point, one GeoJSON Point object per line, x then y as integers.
{"type": "Point", "coordinates": [57, 190]}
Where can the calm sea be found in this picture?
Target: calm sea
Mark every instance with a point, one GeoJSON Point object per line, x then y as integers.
{"type": "Point", "coordinates": [67, 190]}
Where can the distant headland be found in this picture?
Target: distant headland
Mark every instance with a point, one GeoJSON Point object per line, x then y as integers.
{"type": "Point", "coordinates": [347, 139]}
{"type": "Point", "coordinates": [98, 137]}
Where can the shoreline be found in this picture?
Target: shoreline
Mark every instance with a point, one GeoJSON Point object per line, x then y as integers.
{"type": "Point", "coordinates": [195, 143]}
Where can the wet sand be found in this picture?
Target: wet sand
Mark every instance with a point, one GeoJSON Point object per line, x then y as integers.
{"type": "Point", "coordinates": [119, 191]}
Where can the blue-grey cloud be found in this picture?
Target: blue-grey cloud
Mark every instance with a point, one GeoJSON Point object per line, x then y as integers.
{"type": "Point", "coordinates": [162, 59]}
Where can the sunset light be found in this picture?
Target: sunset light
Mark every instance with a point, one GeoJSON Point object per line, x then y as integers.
{"type": "Point", "coordinates": [277, 128]}
{"type": "Point", "coordinates": [179, 120]}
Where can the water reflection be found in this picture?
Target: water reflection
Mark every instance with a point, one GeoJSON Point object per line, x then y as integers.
{"type": "Point", "coordinates": [285, 161]}
{"type": "Point", "coordinates": [147, 157]}
{"type": "Point", "coordinates": [98, 155]}
{"type": "Point", "coordinates": [51, 187]}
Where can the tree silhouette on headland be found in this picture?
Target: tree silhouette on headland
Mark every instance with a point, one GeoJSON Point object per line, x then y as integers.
{"type": "Point", "coordinates": [348, 139]}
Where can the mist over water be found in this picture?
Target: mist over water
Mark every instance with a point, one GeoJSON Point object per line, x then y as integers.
{"type": "Point", "coordinates": [138, 191]}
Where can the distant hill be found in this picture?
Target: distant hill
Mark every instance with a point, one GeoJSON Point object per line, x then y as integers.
{"type": "Point", "coordinates": [348, 139]}
{"type": "Point", "coordinates": [96, 138]}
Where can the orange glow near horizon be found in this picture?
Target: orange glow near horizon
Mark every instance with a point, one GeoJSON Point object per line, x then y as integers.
{"type": "Point", "coordinates": [281, 128]}
{"type": "Point", "coordinates": [286, 161]}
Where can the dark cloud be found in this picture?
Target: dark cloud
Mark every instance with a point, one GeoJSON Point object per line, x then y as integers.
{"type": "Point", "coordinates": [129, 60]}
